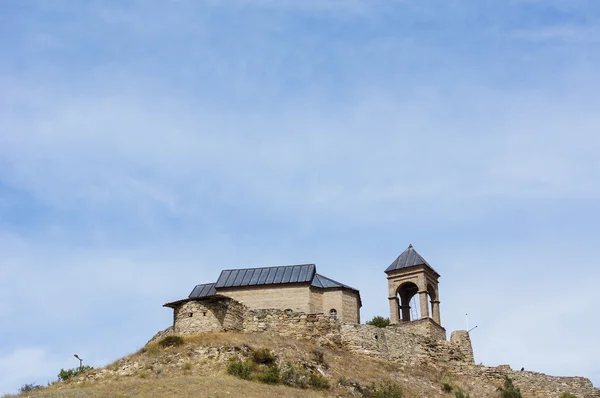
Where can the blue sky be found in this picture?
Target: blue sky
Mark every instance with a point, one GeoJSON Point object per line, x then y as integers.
{"type": "Point", "coordinates": [144, 147]}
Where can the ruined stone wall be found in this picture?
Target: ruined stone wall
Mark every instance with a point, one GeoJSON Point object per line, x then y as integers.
{"type": "Point", "coordinates": [301, 325]}
{"type": "Point", "coordinates": [532, 384]}
{"type": "Point", "coordinates": [462, 340]}
{"type": "Point", "coordinates": [399, 344]}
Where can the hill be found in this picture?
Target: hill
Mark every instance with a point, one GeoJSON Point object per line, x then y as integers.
{"type": "Point", "coordinates": [266, 365]}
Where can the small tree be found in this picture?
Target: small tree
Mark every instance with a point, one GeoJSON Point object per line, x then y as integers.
{"type": "Point", "coordinates": [509, 390]}
{"type": "Point", "coordinates": [379, 321]}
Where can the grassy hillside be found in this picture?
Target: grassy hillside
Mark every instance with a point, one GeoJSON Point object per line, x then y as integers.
{"type": "Point", "coordinates": [215, 365]}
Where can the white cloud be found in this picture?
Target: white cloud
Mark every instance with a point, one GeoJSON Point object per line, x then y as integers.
{"type": "Point", "coordinates": [28, 365]}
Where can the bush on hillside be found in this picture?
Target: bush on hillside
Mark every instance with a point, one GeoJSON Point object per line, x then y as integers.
{"type": "Point", "coordinates": [171, 341]}
{"type": "Point", "coordinates": [447, 387]}
{"type": "Point", "coordinates": [509, 390]}
{"type": "Point", "coordinates": [270, 376]}
{"type": "Point", "coordinates": [379, 321]}
{"type": "Point", "coordinates": [294, 376]}
{"type": "Point", "coordinates": [385, 389]}
{"type": "Point", "coordinates": [70, 373]}
{"type": "Point", "coordinates": [240, 369]}
{"type": "Point", "coordinates": [461, 394]}
{"type": "Point", "coordinates": [29, 387]}
{"type": "Point", "coordinates": [264, 356]}
{"type": "Point", "coordinates": [567, 395]}
{"type": "Point", "coordinates": [318, 382]}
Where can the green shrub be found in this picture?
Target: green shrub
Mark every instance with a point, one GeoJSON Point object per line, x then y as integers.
{"type": "Point", "coordinates": [461, 394]}
{"type": "Point", "coordinates": [240, 369]}
{"type": "Point", "coordinates": [379, 321]}
{"type": "Point", "coordinates": [318, 382]}
{"type": "Point", "coordinates": [567, 395]}
{"type": "Point", "coordinates": [271, 376]}
{"type": "Point", "coordinates": [509, 390]}
{"type": "Point", "coordinates": [386, 389]}
{"type": "Point", "coordinates": [186, 366]}
{"type": "Point", "coordinates": [264, 356]}
{"type": "Point", "coordinates": [447, 387]}
{"type": "Point", "coordinates": [171, 341]}
{"type": "Point", "coordinates": [29, 387]}
{"type": "Point", "coordinates": [69, 373]}
{"type": "Point", "coordinates": [293, 376]}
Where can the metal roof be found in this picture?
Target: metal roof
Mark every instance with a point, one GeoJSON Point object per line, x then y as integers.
{"type": "Point", "coordinates": [204, 290]}
{"type": "Point", "coordinates": [266, 275]}
{"type": "Point", "coordinates": [324, 282]}
{"type": "Point", "coordinates": [408, 258]}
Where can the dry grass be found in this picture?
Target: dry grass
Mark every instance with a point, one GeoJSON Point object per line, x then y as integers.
{"type": "Point", "coordinates": [217, 387]}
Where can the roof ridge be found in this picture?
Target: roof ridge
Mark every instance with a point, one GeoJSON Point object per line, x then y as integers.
{"type": "Point", "coordinates": [270, 266]}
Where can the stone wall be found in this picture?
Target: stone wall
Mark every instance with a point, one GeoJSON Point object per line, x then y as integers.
{"type": "Point", "coordinates": [208, 315]}
{"type": "Point", "coordinates": [296, 324]}
{"type": "Point", "coordinates": [462, 340]}
{"type": "Point", "coordinates": [399, 344]}
{"type": "Point", "coordinates": [294, 297]}
{"type": "Point", "coordinates": [350, 307]}
{"type": "Point", "coordinates": [532, 384]}
{"type": "Point", "coordinates": [425, 327]}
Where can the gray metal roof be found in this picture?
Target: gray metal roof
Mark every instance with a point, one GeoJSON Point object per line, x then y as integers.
{"type": "Point", "coordinates": [408, 258]}
{"type": "Point", "coordinates": [204, 290]}
{"type": "Point", "coordinates": [325, 283]}
{"type": "Point", "coordinates": [266, 275]}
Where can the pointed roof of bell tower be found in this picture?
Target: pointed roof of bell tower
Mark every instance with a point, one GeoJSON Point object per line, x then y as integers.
{"type": "Point", "coordinates": [408, 258]}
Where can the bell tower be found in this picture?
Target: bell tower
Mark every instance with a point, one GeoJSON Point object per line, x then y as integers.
{"type": "Point", "coordinates": [411, 275]}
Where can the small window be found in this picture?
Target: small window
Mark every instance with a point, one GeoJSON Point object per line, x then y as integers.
{"type": "Point", "coordinates": [333, 313]}
{"type": "Point", "coordinates": [204, 313]}
{"type": "Point", "coordinates": [190, 314]}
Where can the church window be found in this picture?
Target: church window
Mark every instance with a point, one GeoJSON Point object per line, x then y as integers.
{"type": "Point", "coordinates": [333, 313]}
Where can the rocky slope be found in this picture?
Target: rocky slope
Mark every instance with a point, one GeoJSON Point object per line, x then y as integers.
{"type": "Point", "coordinates": [202, 366]}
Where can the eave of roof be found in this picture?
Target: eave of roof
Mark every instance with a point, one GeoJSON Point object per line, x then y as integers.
{"type": "Point", "coordinates": [203, 290]}
{"type": "Point", "coordinates": [328, 283]}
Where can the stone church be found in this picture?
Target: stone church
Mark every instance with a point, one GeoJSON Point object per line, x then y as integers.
{"type": "Point", "coordinates": [300, 289]}
{"type": "Point", "coordinates": [295, 288]}
{"type": "Point", "coordinates": [295, 301]}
